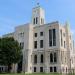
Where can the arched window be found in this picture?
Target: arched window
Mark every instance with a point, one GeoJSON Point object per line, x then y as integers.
{"type": "Point", "coordinates": [35, 59]}
{"type": "Point", "coordinates": [66, 69]}
{"type": "Point", "coordinates": [41, 58]}
{"type": "Point", "coordinates": [34, 21]}
{"type": "Point", "coordinates": [34, 69]}
{"type": "Point", "coordinates": [51, 57]}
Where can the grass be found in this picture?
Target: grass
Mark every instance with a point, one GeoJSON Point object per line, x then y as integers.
{"type": "Point", "coordinates": [37, 74]}
{"type": "Point", "coordinates": [30, 74]}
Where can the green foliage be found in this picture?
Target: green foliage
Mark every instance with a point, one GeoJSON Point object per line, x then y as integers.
{"type": "Point", "coordinates": [10, 51]}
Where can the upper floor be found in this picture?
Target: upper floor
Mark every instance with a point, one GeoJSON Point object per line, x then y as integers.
{"type": "Point", "coordinates": [39, 35]}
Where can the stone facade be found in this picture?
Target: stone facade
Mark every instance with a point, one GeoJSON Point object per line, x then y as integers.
{"type": "Point", "coordinates": [47, 47]}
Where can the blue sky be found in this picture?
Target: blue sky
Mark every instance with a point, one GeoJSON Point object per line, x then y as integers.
{"type": "Point", "coordinates": [17, 12]}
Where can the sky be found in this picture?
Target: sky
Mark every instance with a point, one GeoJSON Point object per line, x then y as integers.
{"type": "Point", "coordinates": [17, 12]}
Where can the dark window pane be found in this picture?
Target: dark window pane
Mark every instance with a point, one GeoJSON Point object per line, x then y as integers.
{"type": "Point", "coordinates": [55, 69]}
{"type": "Point", "coordinates": [51, 69]}
{"type": "Point", "coordinates": [36, 20]}
{"type": "Point", "coordinates": [41, 33]}
{"type": "Point", "coordinates": [41, 69]}
{"type": "Point", "coordinates": [51, 57]}
{"type": "Point", "coordinates": [41, 58]}
{"type": "Point", "coordinates": [61, 38]}
{"type": "Point", "coordinates": [54, 37]}
{"type": "Point", "coordinates": [41, 43]}
{"type": "Point", "coordinates": [55, 57]}
{"type": "Point", "coordinates": [64, 44]}
{"type": "Point", "coordinates": [35, 44]}
{"type": "Point", "coordinates": [50, 37]}
{"type": "Point", "coordinates": [22, 45]}
{"type": "Point", "coordinates": [35, 34]}
{"type": "Point", "coordinates": [34, 69]}
{"type": "Point", "coordinates": [35, 59]}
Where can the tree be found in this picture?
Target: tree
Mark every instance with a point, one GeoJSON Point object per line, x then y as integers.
{"type": "Point", "coordinates": [10, 52]}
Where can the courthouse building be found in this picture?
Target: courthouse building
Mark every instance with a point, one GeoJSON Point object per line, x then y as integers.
{"type": "Point", "coordinates": [46, 47]}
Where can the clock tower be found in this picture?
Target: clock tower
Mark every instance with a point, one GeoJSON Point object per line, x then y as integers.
{"type": "Point", "coordinates": [38, 16]}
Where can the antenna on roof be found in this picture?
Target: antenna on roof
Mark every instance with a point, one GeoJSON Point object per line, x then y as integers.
{"type": "Point", "coordinates": [38, 4]}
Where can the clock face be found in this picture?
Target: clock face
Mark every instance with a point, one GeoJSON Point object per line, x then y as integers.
{"type": "Point", "coordinates": [35, 13]}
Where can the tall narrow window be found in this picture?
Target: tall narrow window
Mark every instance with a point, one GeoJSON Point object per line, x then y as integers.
{"type": "Point", "coordinates": [61, 38]}
{"type": "Point", "coordinates": [41, 69]}
{"type": "Point", "coordinates": [36, 20]}
{"type": "Point", "coordinates": [35, 34]}
{"type": "Point", "coordinates": [54, 37]}
{"type": "Point", "coordinates": [41, 33]}
{"type": "Point", "coordinates": [34, 69]}
{"type": "Point", "coordinates": [41, 58]}
{"type": "Point", "coordinates": [51, 69]}
{"type": "Point", "coordinates": [50, 37]}
{"type": "Point", "coordinates": [22, 45]}
{"type": "Point", "coordinates": [35, 59]}
{"type": "Point", "coordinates": [35, 44]}
{"type": "Point", "coordinates": [55, 57]}
{"type": "Point", "coordinates": [42, 21]}
{"type": "Point", "coordinates": [51, 57]}
{"type": "Point", "coordinates": [41, 43]}
{"type": "Point", "coordinates": [64, 44]}
{"type": "Point", "coordinates": [55, 69]}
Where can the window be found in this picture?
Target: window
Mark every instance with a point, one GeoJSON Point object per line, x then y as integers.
{"type": "Point", "coordinates": [61, 38]}
{"type": "Point", "coordinates": [55, 69]}
{"type": "Point", "coordinates": [54, 37]}
{"type": "Point", "coordinates": [22, 45]}
{"type": "Point", "coordinates": [36, 20]}
{"type": "Point", "coordinates": [51, 69]}
{"type": "Point", "coordinates": [66, 69]}
{"type": "Point", "coordinates": [34, 69]}
{"type": "Point", "coordinates": [51, 57]}
{"type": "Point", "coordinates": [55, 57]}
{"type": "Point", "coordinates": [21, 34]}
{"type": "Point", "coordinates": [41, 43]}
{"type": "Point", "coordinates": [35, 59]}
{"type": "Point", "coordinates": [41, 58]}
{"type": "Point", "coordinates": [64, 44]}
{"type": "Point", "coordinates": [35, 34]}
{"type": "Point", "coordinates": [35, 44]}
{"type": "Point", "coordinates": [41, 33]}
{"type": "Point", "coordinates": [41, 69]}
{"type": "Point", "coordinates": [41, 21]}
{"type": "Point", "coordinates": [50, 37]}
